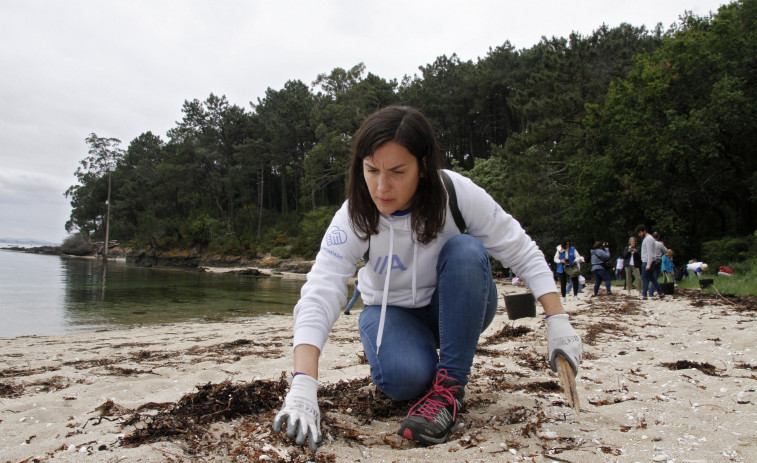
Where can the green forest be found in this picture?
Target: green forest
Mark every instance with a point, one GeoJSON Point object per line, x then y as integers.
{"type": "Point", "coordinates": [584, 136]}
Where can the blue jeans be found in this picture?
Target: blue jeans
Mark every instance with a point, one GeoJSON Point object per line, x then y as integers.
{"type": "Point", "coordinates": [601, 275]}
{"type": "Point", "coordinates": [650, 276]}
{"type": "Point", "coordinates": [563, 278]}
{"type": "Point", "coordinates": [463, 306]}
{"type": "Point", "coordinates": [570, 286]}
{"type": "Point", "coordinates": [355, 295]}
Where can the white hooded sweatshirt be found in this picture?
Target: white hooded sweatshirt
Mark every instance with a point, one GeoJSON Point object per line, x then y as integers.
{"type": "Point", "coordinates": [402, 272]}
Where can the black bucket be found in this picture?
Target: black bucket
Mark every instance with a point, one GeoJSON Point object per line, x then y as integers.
{"type": "Point", "coordinates": [520, 306]}
{"type": "Point", "coordinates": [668, 288]}
{"type": "Point", "coordinates": [705, 282]}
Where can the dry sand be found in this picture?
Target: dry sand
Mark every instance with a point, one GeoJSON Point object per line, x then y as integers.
{"type": "Point", "coordinates": [670, 380]}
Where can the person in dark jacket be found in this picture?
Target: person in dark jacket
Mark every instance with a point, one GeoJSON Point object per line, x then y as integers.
{"type": "Point", "coordinates": [631, 264]}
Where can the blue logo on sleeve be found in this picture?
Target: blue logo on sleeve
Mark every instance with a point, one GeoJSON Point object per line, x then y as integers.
{"type": "Point", "coordinates": [336, 236]}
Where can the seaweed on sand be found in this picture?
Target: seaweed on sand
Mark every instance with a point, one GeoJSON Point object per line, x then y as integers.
{"type": "Point", "coordinates": [704, 367]}
{"type": "Point", "coordinates": [211, 403]}
{"type": "Point", "coordinates": [508, 332]}
{"type": "Point", "coordinates": [256, 401]}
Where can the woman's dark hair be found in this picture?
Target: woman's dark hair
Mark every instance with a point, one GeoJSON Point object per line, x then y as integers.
{"type": "Point", "coordinates": [565, 242]}
{"type": "Point", "coordinates": [408, 127]}
{"type": "Point", "coordinates": [597, 245]}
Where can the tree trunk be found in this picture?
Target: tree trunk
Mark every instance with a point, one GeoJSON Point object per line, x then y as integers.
{"type": "Point", "coordinates": [312, 193]}
{"type": "Point", "coordinates": [284, 205]}
{"type": "Point", "coordinates": [260, 201]}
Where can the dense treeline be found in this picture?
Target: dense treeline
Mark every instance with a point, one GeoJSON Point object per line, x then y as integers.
{"type": "Point", "coordinates": [579, 136]}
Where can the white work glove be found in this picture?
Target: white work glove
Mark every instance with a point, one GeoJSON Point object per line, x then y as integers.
{"type": "Point", "coordinates": [563, 340]}
{"type": "Point", "coordinates": [300, 410]}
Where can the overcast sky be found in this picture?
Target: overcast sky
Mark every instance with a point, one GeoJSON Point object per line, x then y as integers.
{"type": "Point", "coordinates": [121, 68]}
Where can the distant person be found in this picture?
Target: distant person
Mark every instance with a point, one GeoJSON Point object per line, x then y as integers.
{"type": "Point", "coordinates": [632, 264]}
{"type": "Point", "coordinates": [355, 295]}
{"type": "Point", "coordinates": [619, 262]}
{"type": "Point", "coordinates": [668, 267]}
{"type": "Point", "coordinates": [569, 286]}
{"type": "Point", "coordinates": [659, 251]}
{"type": "Point", "coordinates": [581, 284]}
{"type": "Point", "coordinates": [650, 272]}
{"type": "Point", "coordinates": [427, 287]}
{"type": "Point", "coordinates": [581, 280]}
{"type": "Point", "coordinates": [695, 268]}
{"type": "Point", "coordinates": [568, 260]}
{"type": "Point", "coordinates": [600, 257]}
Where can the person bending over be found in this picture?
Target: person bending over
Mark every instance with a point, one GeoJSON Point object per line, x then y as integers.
{"type": "Point", "coordinates": [427, 288]}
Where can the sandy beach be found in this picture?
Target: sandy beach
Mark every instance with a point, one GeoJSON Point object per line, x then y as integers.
{"type": "Point", "coordinates": [672, 380]}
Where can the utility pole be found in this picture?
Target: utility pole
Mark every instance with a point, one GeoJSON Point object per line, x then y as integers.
{"type": "Point", "coordinates": [107, 216]}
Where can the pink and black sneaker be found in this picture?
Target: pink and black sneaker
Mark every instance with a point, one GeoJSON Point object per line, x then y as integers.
{"type": "Point", "coordinates": [433, 418]}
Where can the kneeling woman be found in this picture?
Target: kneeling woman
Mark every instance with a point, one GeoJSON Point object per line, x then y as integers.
{"type": "Point", "coordinates": [427, 288]}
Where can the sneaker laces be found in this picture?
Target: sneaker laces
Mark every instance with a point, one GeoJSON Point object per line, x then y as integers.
{"type": "Point", "coordinates": [437, 398]}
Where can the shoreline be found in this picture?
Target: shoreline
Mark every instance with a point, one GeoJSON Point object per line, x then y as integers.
{"type": "Point", "coordinates": [669, 380]}
{"type": "Point", "coordinates": [263, 271]}
{"type": "Point", "coordinates": [182, 259]}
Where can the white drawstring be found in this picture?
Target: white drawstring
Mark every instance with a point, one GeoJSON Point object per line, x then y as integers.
{"type": "Point", "coordinates": [386, 288]}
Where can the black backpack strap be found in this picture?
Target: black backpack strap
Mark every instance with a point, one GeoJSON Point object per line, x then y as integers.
{"type": "Point", "coordinates": [453, 203]}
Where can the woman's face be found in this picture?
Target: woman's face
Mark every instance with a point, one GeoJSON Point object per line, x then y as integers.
{"type": "Point", "coordinates": [392, 176]}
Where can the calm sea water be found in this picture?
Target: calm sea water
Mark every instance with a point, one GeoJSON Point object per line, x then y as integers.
{"type": "Point", "coordinates": [50, 295]}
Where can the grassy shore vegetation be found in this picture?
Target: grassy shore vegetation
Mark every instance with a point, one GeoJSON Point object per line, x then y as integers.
{"type": "Point", "coordinates": [742, 283]}
{"type": "Point", "coordinates": [580, 136]}
{"type": "Point", "coordinates": [738, 254]}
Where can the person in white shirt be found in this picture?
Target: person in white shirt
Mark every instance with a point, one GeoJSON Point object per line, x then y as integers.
{"type": "Point", "coordinates": [427, 288]}
{"type": "Point", "coordinates": [650, 268]}
{"type": "Point", "coordinates": [619, 267]}
{"type": "Point", "coordinates": [695, 268]}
